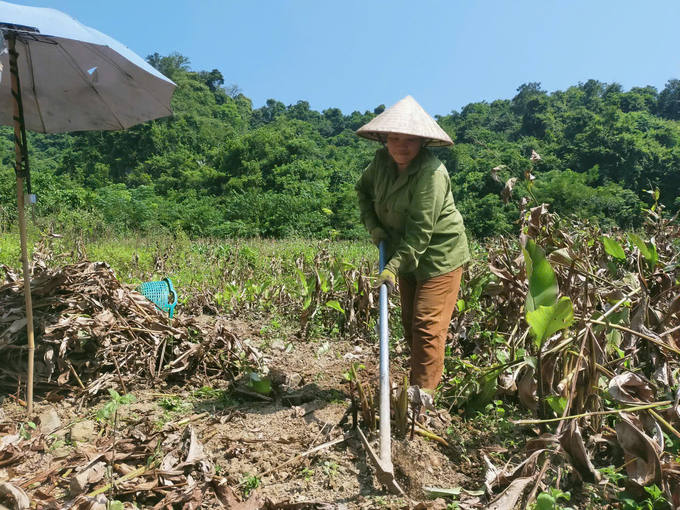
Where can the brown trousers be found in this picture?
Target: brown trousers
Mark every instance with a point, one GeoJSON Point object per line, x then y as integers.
{"type": "Point", "coordinates": [426, 310]}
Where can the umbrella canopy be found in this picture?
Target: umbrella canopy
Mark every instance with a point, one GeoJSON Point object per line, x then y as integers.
{"type": "Point", "coordinates": [74, 78]}
{"type": "Point", "coordinates": [64, 76]}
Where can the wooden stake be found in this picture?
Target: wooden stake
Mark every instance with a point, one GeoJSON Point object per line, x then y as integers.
{"type": "Point", "coordinates": [18, 117]}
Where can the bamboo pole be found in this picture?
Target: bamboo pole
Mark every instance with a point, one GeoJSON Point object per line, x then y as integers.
{"type": "Point", "coordinates": [17, 109]}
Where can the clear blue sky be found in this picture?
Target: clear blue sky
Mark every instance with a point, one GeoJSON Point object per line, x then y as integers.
{"type": "Point", "coordinates": [357, 54]}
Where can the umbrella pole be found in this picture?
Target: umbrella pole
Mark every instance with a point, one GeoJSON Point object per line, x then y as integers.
{"type": "Point", "coordinates": [20, 166]}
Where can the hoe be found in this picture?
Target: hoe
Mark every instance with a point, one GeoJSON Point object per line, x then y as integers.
{"type": "Point", "coordinates": [383, 463]}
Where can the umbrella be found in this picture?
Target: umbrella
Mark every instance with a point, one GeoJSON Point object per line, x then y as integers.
{"type": "Point", "coordinates": [64, 76]}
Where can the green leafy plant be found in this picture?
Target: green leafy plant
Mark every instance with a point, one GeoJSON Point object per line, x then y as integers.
{"type": "Point", "coordinates": [175, 404]}
{"type": "Point", "coordinates": [260, 383]}
{"type": "Point", "coordinates": [116, 400]}
{"type": "Point", "coordinates": [557, 403]}
{"type": "Point", "coordinates": [548, 320]}
{"type": "Point", "coordinates": [335, 305]}
{"type": "Point", "coordinates": [542, 280]}
{"type": "Point", "coordinates": [655, 500]}
{"type": "Point", "coordinates": [483, 391]}
{"type": "Point", "coordinates": [250, 483]}
{"type": "Point", "coordinates": [25, 428]}
{"type": "Point", "coordinates": [613, 248]}
{"type": "Point", "coordinates": [648, 250]}
{"type": "Point", "coordinates": [613, 474]}
{"type": "Point", "coordinates": [350, 375]}
{"type": "Point", "coordinates": [217, 398]}
{"type": "Point", "coordinates": [545, 314]}
{"type": "Point", "coordinates": [330, 469]}
{"type": "Point", "coordinates": [550, 500]}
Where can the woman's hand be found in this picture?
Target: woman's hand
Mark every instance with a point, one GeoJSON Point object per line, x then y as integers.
{"type": "Point", "coordinates": [377, 235]}
{"type": "Point", "coordinates": [386, 277]}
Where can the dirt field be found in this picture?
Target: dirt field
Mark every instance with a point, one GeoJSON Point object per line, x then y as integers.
{"type": "Point", "coordinates": [251, 444]}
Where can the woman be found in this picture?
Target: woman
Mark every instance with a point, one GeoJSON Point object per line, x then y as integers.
{"type": "Point", "coordinates": [405, 199]}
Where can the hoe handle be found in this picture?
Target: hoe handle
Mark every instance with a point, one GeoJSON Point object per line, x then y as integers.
{"type": "Point", "coordinates": [385, 439]}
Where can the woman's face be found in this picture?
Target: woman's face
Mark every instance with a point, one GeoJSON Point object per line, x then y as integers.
{"type": "Point", "coordinates": [403, 148]}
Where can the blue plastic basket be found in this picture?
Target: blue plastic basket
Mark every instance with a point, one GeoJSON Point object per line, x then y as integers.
{"type": "Point", "coordinates": [162, 294]}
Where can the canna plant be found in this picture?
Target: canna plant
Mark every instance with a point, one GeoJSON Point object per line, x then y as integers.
{"type": "Point", "coordinates": [545, 313]}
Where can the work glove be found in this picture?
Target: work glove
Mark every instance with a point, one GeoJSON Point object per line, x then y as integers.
{"type": "Point", "coordinates": [387, 277]}
{"type": "Point", "coordinates": [377, 235]}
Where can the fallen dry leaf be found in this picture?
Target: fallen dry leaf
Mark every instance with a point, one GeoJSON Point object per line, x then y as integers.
{"type": "Point", "coordinates": [13, 497]}
{"type": "Point", "coordinates": [643, 464]}
{"type": "Point", "coordinates": [572, 443]}
{"type": "Point", "coordinates": [510, 496]}
{"type": "Point", "coordinates": [226, 496]}
{"type": "Point", "coordinates": [526, 390]}
{"type": "Point", "coordinates": [630, 388]}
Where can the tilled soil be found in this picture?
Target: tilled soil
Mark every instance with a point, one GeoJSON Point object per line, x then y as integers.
{"type": "Point", "coordinates": [246, 438]}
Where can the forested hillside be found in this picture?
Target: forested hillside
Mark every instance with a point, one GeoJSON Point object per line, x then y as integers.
{"type": "Point", "coordinates": [221, 168]}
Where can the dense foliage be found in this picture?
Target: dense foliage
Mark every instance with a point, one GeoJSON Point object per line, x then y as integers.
{"type": "Point", "coordinates": [221, 168]}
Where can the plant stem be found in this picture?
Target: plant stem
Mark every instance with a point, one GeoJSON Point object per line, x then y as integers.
{"type": "Point", "coordinates": [641, 335]}
{"type": "Point", "coordinates": [583, 415]}
{"type": "Point", "coordinates": [129, 476]}
{"type": "Point", "coordinates": [663, 422]}
{"type": "Point", "coordinates": [539, 388]}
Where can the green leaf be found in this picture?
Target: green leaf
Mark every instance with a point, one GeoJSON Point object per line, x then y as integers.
{"type": "Point", "coordinates": [487, 390]}
{"type": "Point", "coordinates": [545, 501]}
{"type": "Point", "coordinates": [613, 248]}
{"type": "Point", "coordinates": [542, 280]}
{"type": "Point", "coordinates": [557, 403]}
{"type": "Point", "coordinates": [435, 492]}
{"type": "Point", "coordinates": [107, 411]}
{"type": "Point", "coordinates": [648, 250]}
{"type": "Point", "coordinates": [612, 267]}
{"type": "Point", "coordinates": [335, 306]}
{"type": "Point", "coordinates": [262, 385]}
{"type": "Point", "coordinates": [307, 302]}
{"type": "Point", "coordinates": [502, 356]}
{"type": "Point", "coordinates": [311, 282]}
{"type": "Point", "coordinates": [532, 361]}
{"type": "Point", "coordinates": [127, 398]}
{"type": "Point", "coordinates": [303, 280]}
{"type": "Point", "coordinates": [614, 336]}
{"type": "Point", "coordinates": [548, 320]}
{"type": "Point", "coordinates": [460, 304]}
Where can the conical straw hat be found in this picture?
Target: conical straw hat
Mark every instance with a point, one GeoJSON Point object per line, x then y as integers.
{"type": "Point", "coordinates": [406, 117]}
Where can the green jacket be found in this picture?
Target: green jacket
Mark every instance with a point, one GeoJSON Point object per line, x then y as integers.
{"type": "Point", "coordinates": [416, 210]}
